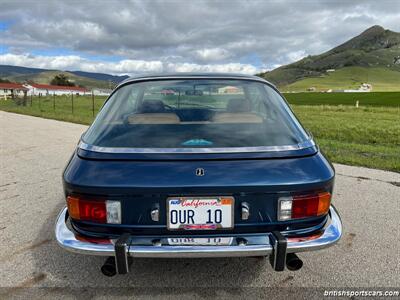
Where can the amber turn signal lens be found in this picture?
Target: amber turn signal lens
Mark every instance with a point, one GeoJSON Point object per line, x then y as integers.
{"type": "Point", "coordinates": [324, 202]}
{"type": "Point", "coordinates": [73, 207]}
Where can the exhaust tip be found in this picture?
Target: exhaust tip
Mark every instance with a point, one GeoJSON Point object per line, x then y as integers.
{"type": "Point", "coordinates": [108, 268]}
{"type": "Point", "coordinates": [293, 262]}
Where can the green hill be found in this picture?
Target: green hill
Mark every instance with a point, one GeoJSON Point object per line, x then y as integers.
{"type": "Point", "coordinates": [46, 76]}
{"type": "Point", "coordinates": [80, 76]}
{"type": "Point", "coordinates": [371, 57]}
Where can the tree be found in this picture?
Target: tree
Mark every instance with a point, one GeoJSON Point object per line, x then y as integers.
{"type": "Point", "coordinates": [61, 79]}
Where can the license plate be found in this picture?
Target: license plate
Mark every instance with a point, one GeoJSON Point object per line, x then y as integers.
{"type": "Point", "coordinates": [214, 241]}
{"type": "Point", "coordinates": [203, 213]}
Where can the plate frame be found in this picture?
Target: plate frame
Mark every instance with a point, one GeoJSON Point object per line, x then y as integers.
{"type": "Point", "coordinates": [203, 197]}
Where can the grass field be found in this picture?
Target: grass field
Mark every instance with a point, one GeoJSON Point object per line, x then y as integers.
{"type": "Point", "coordinates": [382, 79]}
{"type": "Point", "coordinates": [364, 99]}
{"type": "Point", "coordinates": [366, 136]}
{"type": "Point", "coordinates": [60, 109]}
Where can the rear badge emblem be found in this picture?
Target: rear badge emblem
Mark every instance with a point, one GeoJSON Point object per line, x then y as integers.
{"type": "Point", "coordinates": [200, 172]}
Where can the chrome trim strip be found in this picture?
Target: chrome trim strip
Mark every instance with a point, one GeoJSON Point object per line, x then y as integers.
{"type": "Point", "coordinates": [307, 144]}
{"type": "Point", "coordinates": [257, 245]}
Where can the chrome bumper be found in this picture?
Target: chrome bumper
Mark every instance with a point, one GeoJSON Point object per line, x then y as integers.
{"type": "Point", "coordinates": [254, 245]}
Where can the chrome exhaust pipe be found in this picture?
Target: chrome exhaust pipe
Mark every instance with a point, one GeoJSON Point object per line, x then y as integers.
{"type": "Point", "coordinates": [108, 268]}
{"type": "Point", "coordinates": [293, 262]}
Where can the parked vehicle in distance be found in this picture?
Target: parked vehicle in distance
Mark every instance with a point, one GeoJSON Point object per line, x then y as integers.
{"type": "Point", "coordinates": [226, 172]}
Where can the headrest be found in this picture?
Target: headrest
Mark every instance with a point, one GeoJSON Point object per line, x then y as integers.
{"type": "Point", "coordinates": [238, 105]}
{"type": "Point", "coordinates": [152, 106]}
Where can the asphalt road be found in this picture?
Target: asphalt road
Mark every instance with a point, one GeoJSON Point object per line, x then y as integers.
{"type": "Point", "coordinates": [33, 154]}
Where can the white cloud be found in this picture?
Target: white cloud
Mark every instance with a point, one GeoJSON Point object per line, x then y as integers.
{"type": "Point", "coordinates": [126, 66]}
{"type": "Point", "coordinates": [220, 68]}
{"type": "Point", "coordinates": [122, 67]}
{"type": "Point", "coordinates": [47, 62]}
{"type": "Point", "coordinates": [213, 54]}
{"type": "Point", "coordinates": [148, 35]}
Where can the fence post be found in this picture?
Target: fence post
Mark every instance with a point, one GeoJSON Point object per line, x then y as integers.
{"type": "Point", "coordinates": [31, 98]}
{"type": "Point", "coordinates": [72, 102]}
{"type": "Point", "coordinates": [54, 101]}
{"type": "Point", "coordinates": [40, 102]}
{"type": "Point", "coordinates": [92, 103]}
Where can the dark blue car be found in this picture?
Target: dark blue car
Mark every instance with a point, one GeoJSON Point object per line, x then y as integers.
{"type": "Point", "coordinates": [219, 166]}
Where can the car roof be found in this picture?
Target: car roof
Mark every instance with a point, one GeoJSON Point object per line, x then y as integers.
{"type": "Point", "coordinates": [194, 75]}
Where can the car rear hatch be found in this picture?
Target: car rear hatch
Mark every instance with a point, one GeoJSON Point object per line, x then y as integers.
{"type": "Point", "coordinates": [143, 182]}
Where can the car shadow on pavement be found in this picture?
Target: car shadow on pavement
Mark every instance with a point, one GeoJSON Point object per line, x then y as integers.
{"type": "Point", "coordinates": [76, 273]}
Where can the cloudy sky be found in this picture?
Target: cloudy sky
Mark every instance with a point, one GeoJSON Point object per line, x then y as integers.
{"type": "Point", "coordinates": [133, 37]}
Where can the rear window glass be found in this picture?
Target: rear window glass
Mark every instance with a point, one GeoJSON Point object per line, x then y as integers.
{"type": "Point", "coordinates": [196, 113]}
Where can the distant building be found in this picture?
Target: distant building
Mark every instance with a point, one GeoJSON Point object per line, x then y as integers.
{"type": "Point", "coordinates": [330, 70]}
{"type": "Point", "coordinates": [46, 89]}
{"type": "Point", "coordinates": [229, 90]}
{"type": "Point", "coordinates": [12, 90]}
{"type": "Point", "coordinates": [101, 92]}
{"type": "Point", "coordinates": [364, 88]}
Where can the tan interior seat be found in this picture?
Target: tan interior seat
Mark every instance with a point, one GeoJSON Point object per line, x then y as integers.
{"type": "Point", "coordinates": [237, 111]}
{"type": "Point", "coordinates": [237, 118]}
{"type": "Point", "coordinates": [154, 118]}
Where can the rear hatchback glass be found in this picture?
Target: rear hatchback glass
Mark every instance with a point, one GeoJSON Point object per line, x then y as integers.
{"type": "Point", "coordinates": [195, 113]}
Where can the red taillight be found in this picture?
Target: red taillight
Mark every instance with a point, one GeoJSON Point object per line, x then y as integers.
{"type": "Point", "coordinates": [297, 207]}
{"type": "Point", "coordinates": [304, 206]}
{"type": "Point", "coordinates": [93, 210]}
{"type": "Point", "coordinates": [87, 210]}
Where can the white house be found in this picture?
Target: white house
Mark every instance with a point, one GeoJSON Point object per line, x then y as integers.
{"type": "Point", "coordinates": [11, 90]}
{"type": "Point", "coordinates": [229, 90]}
{"type": "Point", "coordinates": [46, 89]}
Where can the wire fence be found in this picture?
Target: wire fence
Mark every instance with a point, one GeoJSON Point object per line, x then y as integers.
{"type": "Point", "coordinates": [80, 108]}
